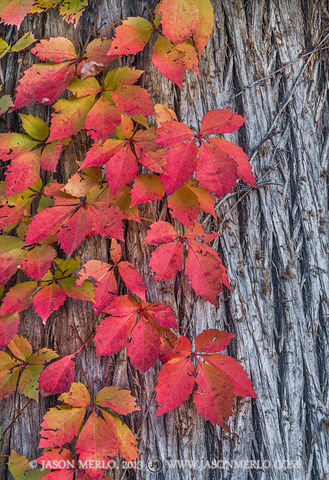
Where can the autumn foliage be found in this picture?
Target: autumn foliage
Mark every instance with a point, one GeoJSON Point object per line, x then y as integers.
{"type": "Point", "coordinates": [139, 153]}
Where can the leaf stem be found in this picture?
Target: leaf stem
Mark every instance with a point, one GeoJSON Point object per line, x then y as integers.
{"type": "Point", "coordinates": [80, 348]}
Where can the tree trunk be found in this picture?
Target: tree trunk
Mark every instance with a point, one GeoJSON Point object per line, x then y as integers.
{"type": "Point", "coordinates": [266, 60]}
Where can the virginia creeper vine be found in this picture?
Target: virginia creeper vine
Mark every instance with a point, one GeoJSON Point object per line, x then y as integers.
{"type": "Point", "coordinates": [140, 153]}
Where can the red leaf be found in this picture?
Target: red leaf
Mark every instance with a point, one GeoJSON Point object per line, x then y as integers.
{"type": "Point", "coordinates": [212, 340]}
{"type": "Point", "coordinates": [144, 347]}
{"type": "Point", "coordinates": [181, 164]}
{"type": "Point", "coordinates": [23, 172]}
{"type": "Point", "coordinates": [147, 187]}
{"type": "Point", "coordinates": [15, 144]}
{"type": "Point", "coordinates": [50, 155]}
{"type": "Point", "coordinates": [240, 381]}
{"type": "Point", "coordinates": [131, 37]}
{"type": "Point", "coordinates": [214, 396]}
{"type": "Point", "coordinates": [179, 19]}
{"type": "Point", "coordinates": [14, 11]}
{"type": "Point", "coordinates": [121, 169]}
{"type": "Point", "coordinates": [95, 443]}
{"type": "Point", "coordinates": [160, 232]}
{"type": "Point", "coordinates": [127, 126]}
{"type": "Point", "coordinates": [38, 261]}
{"type": "Point", "coordinates": [57, 49]}
{"type": "Point", "coordinates": [8, 327]}
{"type": "Point", "coordinates": [132, 100]}
{"type": "Point", "coordinates": [173, 60]}
{"type": "Point", "coordinates": [181, 348]}
{"type": "Point", "coordinates": [184, 205]}
{"type": "Point", "coordinates": [205, 271]}
{"type": "Point", "coordinates": [239, 156]}
{"type": "Point", "coordinates": [175, 384]}
{"type": "Point", "coordinates": [58, 376]}
{"type": "Point", "coordinates": [117, 399]}
{"type": "Point", "coordinates": [123, 435]}
{"type": "Point", "coordinates": [115, 251]}
{"type": "Point", "coordinates": [216, 171]}
{"type": "Point", "coordinates": [56, 459]}
{"type": "Point", "coordinates": [167, 260]}
{"type": "Point", "coordinates": [148, 152]}
{"type": "Point", "coordinates": [105, 282]}
{"type": "Point", "coordinates": [205, 199]}
{"type": "Point", "coordinates": [197, 231]}
{"type": "Point", "coordinates": [60, 425]}
{"type": "Point", "coordinates": [132, 279]}
{"type": "Point", "coordinates": [18, 298]}
{"type": "Point", "coordinates": [112, 335]}
{"type": "Point", "coordinates": [221, 121]}
{"type": "Point", "coordinates": [74, 231]}
{"type": "Point", "coordinates": [43, 83]}
{"type": "Point", "coordinates": [162, 313]}
{"type": "Point", "coordinates": [107, 220]}
{"type": "Point", "coordinates": [98, 154]}
{"type": "Point", "coordinates": [97, 51]}
{"type": "Point", "coordinates": [172, 133]}
{"type": "Point", "coordinates": [48, 300]}
{"type": "Point", "coordinates": [46, 223]}
{"type": "Point", "coordinates": [102, 119]}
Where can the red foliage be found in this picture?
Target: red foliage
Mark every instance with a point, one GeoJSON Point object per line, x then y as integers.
{"type": "Point", "coordinates": [186, 168]}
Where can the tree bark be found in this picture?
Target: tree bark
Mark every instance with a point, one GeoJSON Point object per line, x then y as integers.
{"type": "Point", "coordinates": [266, 60]}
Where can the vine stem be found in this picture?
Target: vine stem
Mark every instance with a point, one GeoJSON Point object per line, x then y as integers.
{"type": "Point", "coordinates": [109, 28]}
{"type": "Point", "coordinates": [147, 219]}
{"type": "Point", "coordinates": [85, 377]}
{"type": "Point", "coordinates": [150, 12]}
{"type": "Point", "coordinates": [17, 416]}
{"type": "Point", "coordinates": [274, 122]}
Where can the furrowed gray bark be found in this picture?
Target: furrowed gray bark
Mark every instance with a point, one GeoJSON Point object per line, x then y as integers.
{"type": "Point", "coordinates": [267, 60]}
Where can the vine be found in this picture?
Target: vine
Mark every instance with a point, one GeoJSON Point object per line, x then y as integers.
{"type": "Point", "coordinates": [140, 153]}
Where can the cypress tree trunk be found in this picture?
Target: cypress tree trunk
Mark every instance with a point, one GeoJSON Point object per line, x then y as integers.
{"type": "Point", "coordinates": [266, 60]}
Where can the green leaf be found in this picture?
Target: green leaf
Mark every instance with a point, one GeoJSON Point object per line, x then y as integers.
{"type": "Point", "coordinates": [79, 292]}
{"type": "Point", "coordinates": [9, 373]}
{"type": "Point", "coordinates": [34, 126]}
{"type": "Point", "coordinates": [8, 242]}
{"type": "Point", "coordinates": [4, 48]}
{"type": "Point", "coordinates": [66, 267]}
{"type": "Point", "coordinates": [5, 103]}
{"type": "Point", "coordinates": [28, 383]}
{"type": "Point", "coordinates": [22, 469]}
{"type": "Point", "coordinates": [25, 41]}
